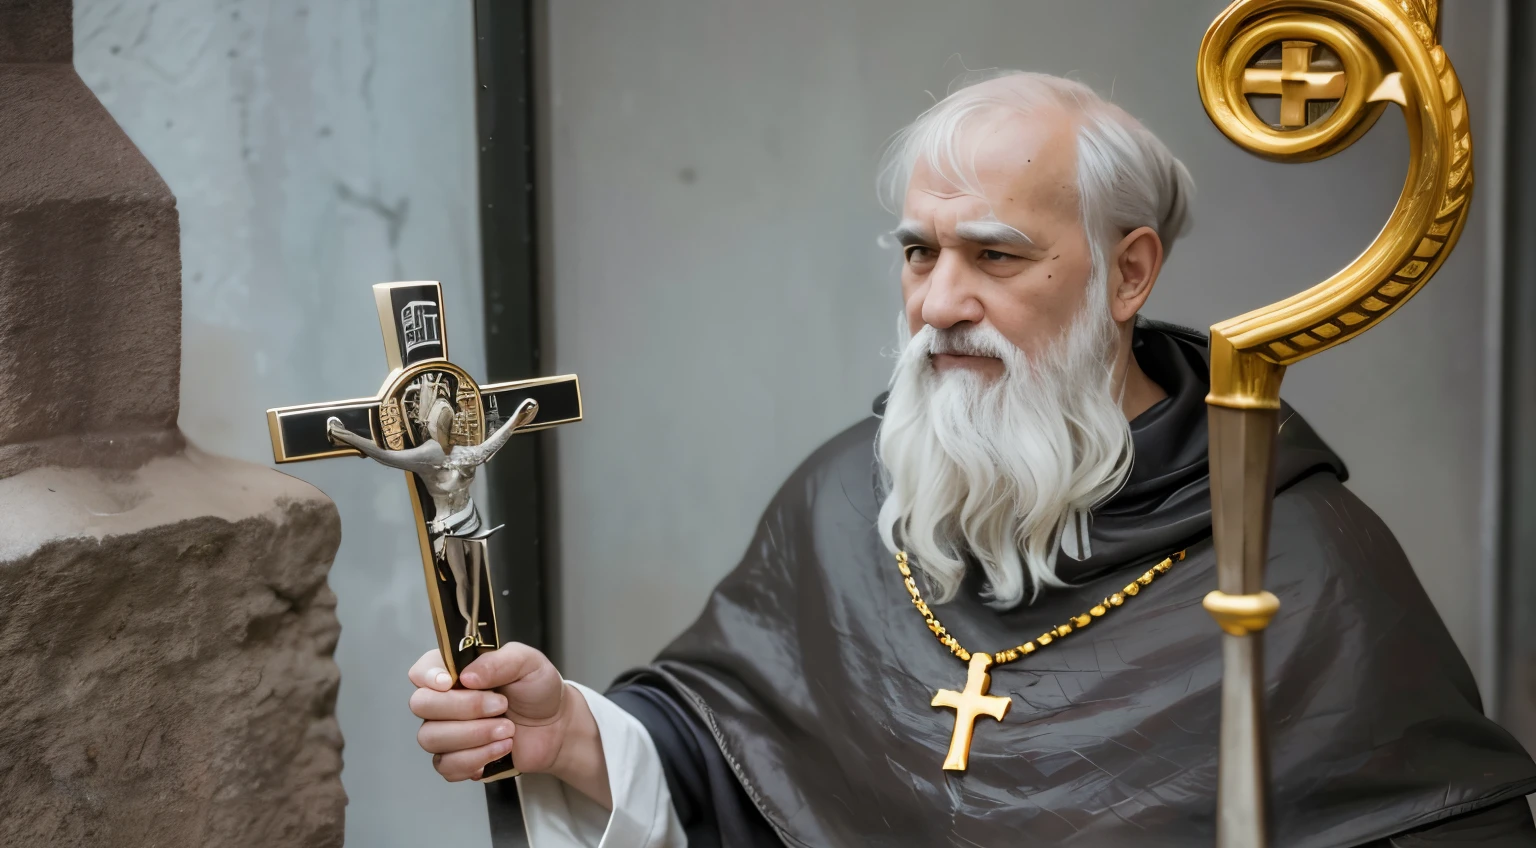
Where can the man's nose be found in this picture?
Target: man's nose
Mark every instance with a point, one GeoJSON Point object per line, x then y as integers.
{"type": "Point", "coordinates": [951, 297]}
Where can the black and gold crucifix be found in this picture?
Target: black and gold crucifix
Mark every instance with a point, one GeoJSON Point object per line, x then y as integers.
{"type": "Point", "coordinates": [433, 421]}
{"type": "Point", "coordinates": [970, 705]}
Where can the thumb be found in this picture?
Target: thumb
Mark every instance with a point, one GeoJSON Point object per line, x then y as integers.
{"type": "Point", "coordinates": [503, 666]}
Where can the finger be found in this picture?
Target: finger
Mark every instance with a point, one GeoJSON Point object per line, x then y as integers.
{"type": "Point", "coordinates": [456, 704]}
{"type": "Point", "coordinates": [445, 737]}
{"type": "Point", "coordinates": [429, 672]}
{"type": "Point", "coordinates": [505, 665]}
{"type": "Point", "coordinates": [464, 765]}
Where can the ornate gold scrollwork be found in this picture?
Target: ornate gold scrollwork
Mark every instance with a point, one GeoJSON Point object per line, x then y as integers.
{"type": "Point", "coordinates": [468, 428]}
{"type": "Point", "coordinates": [392, 423]}
{"type": "Point", "coordinates": [1389, 52]}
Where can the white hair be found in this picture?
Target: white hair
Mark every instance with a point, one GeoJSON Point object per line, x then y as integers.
{"type": "Point", "coordinates": [1005, 471]}
{"type": "Point", "coordinates": [1126, 176]}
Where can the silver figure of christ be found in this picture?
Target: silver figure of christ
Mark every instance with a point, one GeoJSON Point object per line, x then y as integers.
{"type": "Point", "coordinates": [446, 471]}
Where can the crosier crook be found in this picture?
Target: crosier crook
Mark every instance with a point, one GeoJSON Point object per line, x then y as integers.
{"type": "Point", "coordinates": [1249, 353]}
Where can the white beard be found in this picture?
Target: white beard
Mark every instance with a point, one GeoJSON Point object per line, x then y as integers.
{"type": "Point", "coordinates": [999, 469]}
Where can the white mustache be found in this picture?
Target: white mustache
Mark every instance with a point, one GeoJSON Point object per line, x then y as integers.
{"type": "Point", "coordinates": [973, 340]}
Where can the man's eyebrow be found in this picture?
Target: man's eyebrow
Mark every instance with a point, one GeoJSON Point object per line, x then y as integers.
{"type": "Point", "coordinates": [908, 233]}
{"type": "Point", "coordinates": [994, 234]}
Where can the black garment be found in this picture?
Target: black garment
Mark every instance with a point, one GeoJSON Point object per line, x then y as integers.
{"type": "Point", "coordinates": [797, 706]}
{"type": "Point", "coordinates": [714, 810]}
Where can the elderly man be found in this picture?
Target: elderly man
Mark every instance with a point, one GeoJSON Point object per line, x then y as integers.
{"type": "Point", "coordinates": [1024, 524]}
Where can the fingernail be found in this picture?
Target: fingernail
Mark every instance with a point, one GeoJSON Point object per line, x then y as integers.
{"type": "Point", "coordinates": [470, 679]}
{"type": "Point", "coordinates": [503, 746]}
{"type": "Point", "coordinates": [441, 677]}
{"type": "Point", "coordinates": [495, 704]}
{"type": "Point", "coordinates": [504, 731]}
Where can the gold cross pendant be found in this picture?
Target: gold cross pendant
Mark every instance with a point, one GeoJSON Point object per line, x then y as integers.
{"type": "Point", "coordinates": [970, 705]}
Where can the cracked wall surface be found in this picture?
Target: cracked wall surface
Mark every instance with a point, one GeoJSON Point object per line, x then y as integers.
{"type": "Point", "coordinates": [166, 657]}
{"type": "Point", "coordinates": [316, 148]}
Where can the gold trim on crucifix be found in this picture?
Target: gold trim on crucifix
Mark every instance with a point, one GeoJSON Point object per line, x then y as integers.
{"type": "Point", "coordinates": [970, 705]}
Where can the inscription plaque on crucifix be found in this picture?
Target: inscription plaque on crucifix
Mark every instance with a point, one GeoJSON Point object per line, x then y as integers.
{"type": "Point", "coordinates": [431, 420]}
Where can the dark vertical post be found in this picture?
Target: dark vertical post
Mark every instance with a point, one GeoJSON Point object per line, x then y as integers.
{"type": "Point", "coordinates": [1516, 590]}
{"type": "Point", "coordinates": [504, 88]}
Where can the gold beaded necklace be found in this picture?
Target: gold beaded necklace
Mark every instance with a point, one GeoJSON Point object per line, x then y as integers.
{"type": "Point", "coordinates": [973, 702]}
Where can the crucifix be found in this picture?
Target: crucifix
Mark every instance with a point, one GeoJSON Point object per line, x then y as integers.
{"type": "Point", "coordinates": [970, 705]}
{"type": "Point", "coordinates": [431, 420]}
{"type": "Point", "coordinates": [1295, 82]}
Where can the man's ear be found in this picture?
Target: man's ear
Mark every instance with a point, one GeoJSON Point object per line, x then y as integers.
{"type": "Point", "coordinates": [1137, 260]}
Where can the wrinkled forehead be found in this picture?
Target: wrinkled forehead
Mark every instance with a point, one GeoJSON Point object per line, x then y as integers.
{"type": "Point", "coordinates": [1005, 161]}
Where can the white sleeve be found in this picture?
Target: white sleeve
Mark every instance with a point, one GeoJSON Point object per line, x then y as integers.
{"type": "Point", "coordinates": [643, 817]}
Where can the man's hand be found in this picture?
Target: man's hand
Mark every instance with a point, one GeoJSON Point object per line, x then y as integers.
{"type": "Point", "coordinates": [517, 702]}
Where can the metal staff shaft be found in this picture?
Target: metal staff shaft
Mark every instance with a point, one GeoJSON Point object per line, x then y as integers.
{"type": "Point", "coordinates": [1242, 482]}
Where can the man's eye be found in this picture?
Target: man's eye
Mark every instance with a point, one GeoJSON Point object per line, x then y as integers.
{"type": "Point", "coordinates": [919, 253]}
{"type": "Point", "coordinates": [996, 256]}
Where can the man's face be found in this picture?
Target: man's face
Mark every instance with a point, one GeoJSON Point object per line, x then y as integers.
{"type": "Point", "coordinates": [1017, 258]}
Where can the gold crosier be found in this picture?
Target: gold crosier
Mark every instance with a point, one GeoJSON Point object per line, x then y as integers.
{"type": "Point", "coordinates": [1387, 51]}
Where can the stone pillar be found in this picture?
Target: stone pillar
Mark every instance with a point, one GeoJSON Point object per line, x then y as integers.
{"type": "Point", "coordinates": [166, 629]}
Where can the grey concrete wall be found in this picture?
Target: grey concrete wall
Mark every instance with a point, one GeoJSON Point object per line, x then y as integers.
{"type": "Point", "coordinates": [717, 284]}
{"type": "Point", "coordinates": [316, 148]}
